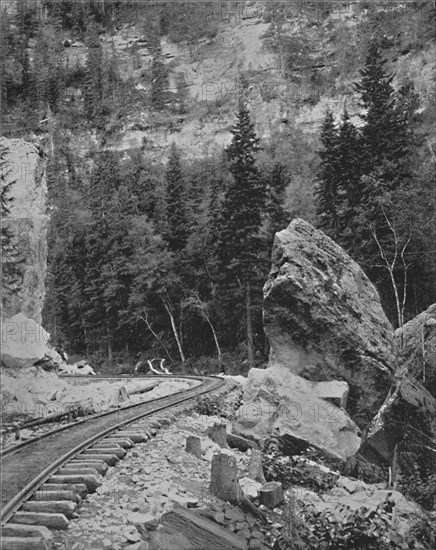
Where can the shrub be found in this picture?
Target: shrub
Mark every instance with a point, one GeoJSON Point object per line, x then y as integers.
{"type": "Point", "coordinates": [294, 470]}
{"type": "Point", "coordinates": [363, 529]}
{"type": "Point", "coordinates": [209, 405]}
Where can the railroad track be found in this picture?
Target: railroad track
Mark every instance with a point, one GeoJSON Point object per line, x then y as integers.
{"type": "Point", "coordinates": [45, 478]}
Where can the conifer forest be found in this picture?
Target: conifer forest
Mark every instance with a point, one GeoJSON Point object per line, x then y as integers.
{"type": "Point", "coordinates": [159, 251]}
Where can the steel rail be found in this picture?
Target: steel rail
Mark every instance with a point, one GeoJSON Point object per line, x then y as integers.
{"type": "Point", "coordinates": [13, 448]}
{"type": "Point", "coordinates": [15, 503]}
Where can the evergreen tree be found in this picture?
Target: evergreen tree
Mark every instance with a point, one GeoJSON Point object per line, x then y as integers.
{"type": "Point", "coordinates": [239, 244]}
{"type": "Point", "coordinates": [386, 135]}
{"type": "Point", "coordinates": [176, 216]}
{"type": "Point", "coordinates": [361, 172]}
{"type": "Point", "coordinates": [276, 216]}
{"type": "Point", "coordinates": [99, 314]}
{"type": "Point", "coordinates": [93, 90]}
{"type": "Point", "coordinates": [377, 99]}
{"type": "Point", "coordinates": [11, 263]}
{"type": "Point", "coordinates": [387, 144]}
{"type": "Point", "coordinates": [159, 81]}
{"type": "Point", "coordinates": [348, 157]}
{"type": "Point", "coordinates": [47, 72]}
{"type": "Point", "coordinates": [327, 192]}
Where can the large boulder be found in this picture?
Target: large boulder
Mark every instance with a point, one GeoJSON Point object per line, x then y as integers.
{"type": "Point", "coordinates": [407, 417]}
{"type": "Point", "coordinates": [417, 343]}
{"type": "Point", "coordinates": [25, 343]}
{"type": "Point", "coordinates": [324, 320]}
{"type": "Point", "coordinates": [278, 402]}
{"type": "Point", "coordinates": [25, 168]}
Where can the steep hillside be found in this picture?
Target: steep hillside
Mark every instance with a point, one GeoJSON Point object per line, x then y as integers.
{"type": "Point", "coordinates": [291, 68]}
{"type": "Point", "coordinates": [107, 88]}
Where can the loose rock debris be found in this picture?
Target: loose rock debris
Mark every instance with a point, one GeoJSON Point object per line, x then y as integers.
{"type": "Point", "coordinates": [33, 393]}
{"type": "Point", "coordinates": [134, 506]}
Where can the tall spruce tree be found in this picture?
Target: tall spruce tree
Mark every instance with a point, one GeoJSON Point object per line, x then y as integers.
{"type": "Point", "coordinates": [99, 313]}
{"type": "Point", "coordinates": [11, 265]}
{"type": "Point", "coordinates": [327, 193]}
{"type": "Point", "coordinates": [349, 191]}
{"type": "Point", "coordinates": [239, 246]}
{"type": "Point", "coordinates": [176, 216]}
{"type": "Point", "coordinates": [276, 216]}
{"type": "Point", "coordinates": [377, 100]}
{"type": "Point", "coordinates": [159, 80]}
{"type": "Point", "coordinates": [385, 130]}
{"type": "Point", "coordinates": [93, 90]}
{"type": "Point", "coordinates": [362, 171]}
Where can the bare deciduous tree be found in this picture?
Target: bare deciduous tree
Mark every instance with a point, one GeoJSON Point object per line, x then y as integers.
{"type": "Point", "coordinates": [391, 264]}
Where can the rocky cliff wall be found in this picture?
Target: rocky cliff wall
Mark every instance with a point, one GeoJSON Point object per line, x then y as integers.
{"type": "Point", "coordinates": [28, 220]}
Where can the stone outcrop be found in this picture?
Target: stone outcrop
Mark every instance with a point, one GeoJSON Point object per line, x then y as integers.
{"type": "Point", "coordinates": [408, 409]}
{"type": "Point", "coordinates": [417, 343]}
{"type": "Point", "coordinates": [278, 402]}
{"type": "Point", "coordinates": [25, 343]}
{"type": "Point", "coordinates": [324, 319]}
{"type": "Point", "coordinates": [28, 220]}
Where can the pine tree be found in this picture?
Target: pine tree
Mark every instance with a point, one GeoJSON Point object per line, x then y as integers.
{"type": "Point", "coordinates": [47, 73]}
{"type": "Point", "coordinates": [99, 313]}
{"type": "Point", "coordinates": [239, 244]}
{"type": "Point", "coordinates": [385, 133]}
{"type": "Point", "coordinates": [245, 196]}
{"type": "Point", "coordinates": [93, 91]}
{"type": "Point", "coordinates": [177, 224]}
{"type": "Point", "coordinates": [348, 157]}
{"type": "Point", "coordinates": [372, 165]}
{"type": "Point", "coordinates": [276, 216]}
{"type": "Point", "coordinates": [159, 81]}
{"type": "Point", "coordinates": [327, 192]}
{"type": "Point", "coordinates": [377, 99]}
{"type": "Point", "coordinates": [11, 264]}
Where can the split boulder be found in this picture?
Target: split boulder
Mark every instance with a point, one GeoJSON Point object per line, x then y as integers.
{"type": "Point", "coordinates": [278, 402]}
{"type": "Point", "coordinates": [324, 319]}
{"type": "Point", "coordinates": [417, 343]}
{"type": "Point", "coordinates": [388, 428]}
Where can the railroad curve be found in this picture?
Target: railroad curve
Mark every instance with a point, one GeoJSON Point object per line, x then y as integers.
{"type": "Point", "coordinates": [28, 466]}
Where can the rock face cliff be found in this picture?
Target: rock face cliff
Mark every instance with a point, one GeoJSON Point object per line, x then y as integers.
{"type": "Point", "coordinates": [324, 319]}
{"type": "Point", "coordinates": [28, 220]}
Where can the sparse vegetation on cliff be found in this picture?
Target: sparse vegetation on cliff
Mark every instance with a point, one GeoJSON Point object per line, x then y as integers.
{"type": "Point", "coordinates": [92, 80]}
